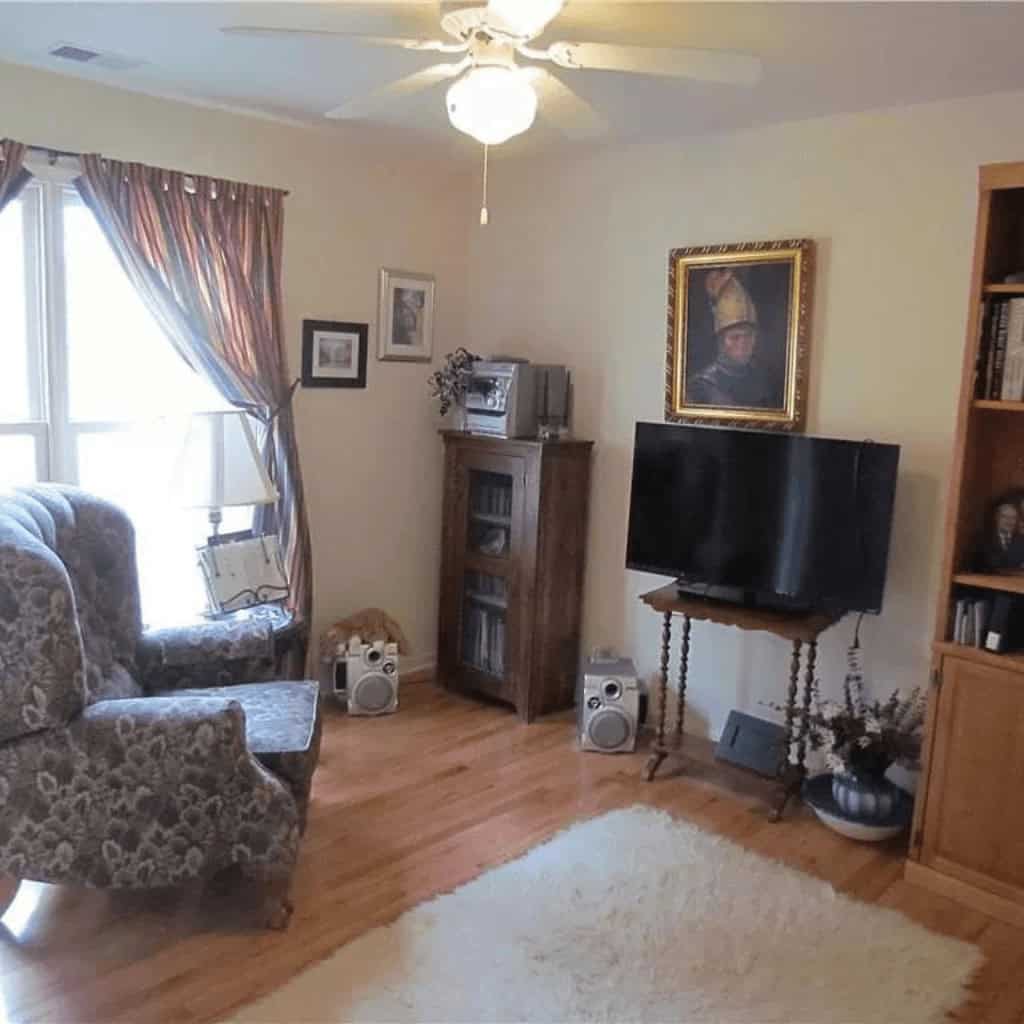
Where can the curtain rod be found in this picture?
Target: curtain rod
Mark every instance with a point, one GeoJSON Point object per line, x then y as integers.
{"type": "Point", "coordinates": [51, 152]}
{"type": "Point", "coordinates": [55, 154]}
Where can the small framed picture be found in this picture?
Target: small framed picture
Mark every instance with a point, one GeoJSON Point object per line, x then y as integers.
{"type": "Point", "coordinates": [1001, 549]}
{"type": "Point", "coordinates": [405, 323]}
{"type": "Point", "coordinates": [334, 354]}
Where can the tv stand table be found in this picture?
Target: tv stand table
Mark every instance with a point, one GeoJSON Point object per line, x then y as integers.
{"type": "Point", "coordinates": [799, 627]}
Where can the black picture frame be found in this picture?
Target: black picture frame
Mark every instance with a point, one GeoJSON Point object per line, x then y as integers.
{"type": "Point", "coordinates": [334, 354]}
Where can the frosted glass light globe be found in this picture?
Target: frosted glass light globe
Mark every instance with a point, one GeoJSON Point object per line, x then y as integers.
{"type": "Point", "coordinates": [492, 104]}
{"type": "Point", "coordinates": [525, 18]}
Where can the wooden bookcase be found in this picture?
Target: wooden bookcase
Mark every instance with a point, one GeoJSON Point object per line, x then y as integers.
{"type": "Point", "coordinates": [968, 837]}
{"type": "Point", "coordinates": [513, 541]}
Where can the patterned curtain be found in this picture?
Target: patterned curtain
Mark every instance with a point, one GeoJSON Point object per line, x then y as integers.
{"type": "Point", "coordinates": [13, 175]}
{"type": "Point", "coordinates": [205, 255]}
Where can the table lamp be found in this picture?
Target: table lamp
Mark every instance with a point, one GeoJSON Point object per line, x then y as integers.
{"type": "Point", "coordinates": [218, 467]}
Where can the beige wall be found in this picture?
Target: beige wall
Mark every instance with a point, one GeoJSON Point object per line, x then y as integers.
{"type": "Point", "coordinates": [573, 268]}
{"type": "Point", "coordinates": [371, 459]}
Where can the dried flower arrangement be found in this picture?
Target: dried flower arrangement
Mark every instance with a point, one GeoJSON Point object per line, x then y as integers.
{"type": "Point", "coordinates": [448, 383]}
{"type": "Point", "coordinates": [863, 737]}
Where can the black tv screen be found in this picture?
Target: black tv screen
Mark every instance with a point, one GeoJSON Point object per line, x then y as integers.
{"type": "Point", "coordinates": [778, 519]}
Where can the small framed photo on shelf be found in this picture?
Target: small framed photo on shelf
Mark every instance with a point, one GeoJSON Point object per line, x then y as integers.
{"type": "Point", "coordinates": [405, 322]}
{"type": "Point", "coordinates": [1001, 549]}
{"type": "Point", "coordinates": [334, 354]}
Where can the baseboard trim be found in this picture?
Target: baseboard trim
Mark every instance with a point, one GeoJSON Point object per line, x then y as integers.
{"type": "Point", "coordinates": [418, 675]}
{"type": "Point", "coordinates": [963, 892]}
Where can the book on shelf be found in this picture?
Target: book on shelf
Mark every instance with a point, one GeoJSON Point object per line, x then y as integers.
{"type": "Point", "coordinates": [484, 640]}
{"type": "Point", "coordinates": [493, 499]}
{"type": "Point", "coordinates": [1013, 367]}
{"type": "Point", "coordinates": [971, 621]}
{"type": "Point", "coordinates": [1000, 366]}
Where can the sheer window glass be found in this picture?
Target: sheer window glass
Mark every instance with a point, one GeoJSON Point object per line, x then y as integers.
{"type": "Point", "coordinates": [117, 398]}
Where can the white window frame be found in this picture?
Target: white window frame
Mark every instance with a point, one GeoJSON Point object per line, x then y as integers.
{"type": "Point", "coordinates": [54, 432]}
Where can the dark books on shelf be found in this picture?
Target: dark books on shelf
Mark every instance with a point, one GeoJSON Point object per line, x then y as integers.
{"type": "Point", "coordinates": [1001, 350]}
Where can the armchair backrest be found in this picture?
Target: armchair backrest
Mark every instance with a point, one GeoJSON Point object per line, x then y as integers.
{"type": "Point", "coordinates": [69, 606]}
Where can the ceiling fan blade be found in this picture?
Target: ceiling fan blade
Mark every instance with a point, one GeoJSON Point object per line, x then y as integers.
{"type": "Point", "coordinates": [567, 111]}
{"type": "Point", "coordinates": [366, 106]}
{"type": "Point", "coordinates": [261, 31]}
{"type": "Point", "coordinates": [703, 65]}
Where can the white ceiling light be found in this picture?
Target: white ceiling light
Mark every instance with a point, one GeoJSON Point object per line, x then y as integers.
{"type": "Point", "coordinates": [525, 18]}
{"type": "Point", "coordinates": [492, 104]}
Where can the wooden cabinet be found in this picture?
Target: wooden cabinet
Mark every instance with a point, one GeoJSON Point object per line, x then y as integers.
{"type": "Point", "coordinates": [974, 821]}
{"type": "Point", "coordinates": [513, 541]}
{"type": "Point", "coordinates": [968, 837]}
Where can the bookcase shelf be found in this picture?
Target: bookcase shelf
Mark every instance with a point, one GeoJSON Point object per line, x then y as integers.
{"type": "Point", "coordinates": [991, 581]}
{"type": "Point", "coordinates": [997, 405]}
{"type": "Point", "coordinates": [1003, 289]}
{"type": "Point", "coordinates": [1013, 661]}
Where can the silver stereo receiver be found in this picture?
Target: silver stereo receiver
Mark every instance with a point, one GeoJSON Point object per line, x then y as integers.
{"type": "Point", "coordinates": [514, 398]}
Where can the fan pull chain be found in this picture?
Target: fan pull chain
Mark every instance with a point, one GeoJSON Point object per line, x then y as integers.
{"type": "Point", "coordinates": [484, 216]}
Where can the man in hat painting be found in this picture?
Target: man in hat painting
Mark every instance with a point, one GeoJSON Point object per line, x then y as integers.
{"type": "Point", "coordinates": [735, 378]}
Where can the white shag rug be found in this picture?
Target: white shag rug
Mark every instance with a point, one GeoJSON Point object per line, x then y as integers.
{"type": "Point", "coordinates": [636, 917]}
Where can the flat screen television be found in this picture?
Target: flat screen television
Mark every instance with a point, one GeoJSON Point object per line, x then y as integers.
{"type": "Point", "coordinates": [778, 520]}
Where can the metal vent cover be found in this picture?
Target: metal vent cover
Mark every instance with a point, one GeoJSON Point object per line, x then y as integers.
{"type": "Point", "coordinates": [96, 58]}
{"type": "Point", "coordinates": [79, 54]}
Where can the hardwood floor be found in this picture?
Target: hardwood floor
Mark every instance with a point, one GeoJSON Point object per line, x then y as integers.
{"type": "Point", "coordinates": [405, 807]}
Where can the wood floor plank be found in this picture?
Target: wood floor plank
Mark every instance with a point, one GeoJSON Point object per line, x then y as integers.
{"type": "Point", "coordinates": [406, 807]}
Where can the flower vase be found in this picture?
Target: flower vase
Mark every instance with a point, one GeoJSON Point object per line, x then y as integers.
{"type": "Point", "coordinates": [865, 797]}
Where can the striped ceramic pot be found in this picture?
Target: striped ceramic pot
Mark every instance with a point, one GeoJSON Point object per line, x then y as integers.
{"type": "Point", "coordinates": [864, 798]}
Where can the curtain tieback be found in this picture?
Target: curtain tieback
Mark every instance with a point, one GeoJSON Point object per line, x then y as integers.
{"type": "Point", "coordinates": [287, 403]}
{"type": "Point", "coordinates": [259, 410]}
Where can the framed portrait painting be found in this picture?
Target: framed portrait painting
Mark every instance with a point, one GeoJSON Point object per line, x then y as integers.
{"type": "Point", "coordinates": [334, 354]}
{"type": "Point", "coordinates": [738, 329]}
{"type": "Point", "coordinates": [405, 324]}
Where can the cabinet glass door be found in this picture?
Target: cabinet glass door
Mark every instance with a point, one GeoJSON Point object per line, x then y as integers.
{"type": "Point", "coordinates": [490, 513]}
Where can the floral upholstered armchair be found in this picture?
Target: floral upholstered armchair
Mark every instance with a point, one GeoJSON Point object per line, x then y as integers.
{"type": "Point", "coordinates": [132, 759]}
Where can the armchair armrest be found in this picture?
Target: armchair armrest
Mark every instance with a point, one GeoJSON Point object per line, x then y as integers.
{"type": "Point", "coordinates": [142, 792]}
{"type": "Point", "coordinates": [216, 653]}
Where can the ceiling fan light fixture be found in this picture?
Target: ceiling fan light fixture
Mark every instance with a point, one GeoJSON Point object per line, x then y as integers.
{"type": "Point", "coordinates": [492, 104]}
{"type": "Point", "coordinates": [523, 18]}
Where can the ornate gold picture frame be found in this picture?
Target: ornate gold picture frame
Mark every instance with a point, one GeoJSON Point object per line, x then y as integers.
{"type": "Point", "coordinates": [738, 329]}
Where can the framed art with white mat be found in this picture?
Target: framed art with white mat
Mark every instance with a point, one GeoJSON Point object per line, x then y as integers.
{"type": "Point", "coordinates": [334, 354]}
{"type": "Point", "coordinates": [405, 318]}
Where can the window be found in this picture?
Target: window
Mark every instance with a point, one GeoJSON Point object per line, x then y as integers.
{"type": "Point", "coordinates": [93, 393]}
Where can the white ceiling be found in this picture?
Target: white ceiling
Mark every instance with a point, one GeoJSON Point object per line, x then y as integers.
{"type": "Point", "coordinates": [819, 58]}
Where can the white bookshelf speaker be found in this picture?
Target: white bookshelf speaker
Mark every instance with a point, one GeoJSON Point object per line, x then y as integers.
{"type": "Point", "coordinates": [366, 676]}
{"type": "Point", "coordinates": [609, 706]}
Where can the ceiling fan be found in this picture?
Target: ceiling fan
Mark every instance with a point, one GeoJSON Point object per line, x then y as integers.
{"type": "Point", "coordinates": [495, 98]}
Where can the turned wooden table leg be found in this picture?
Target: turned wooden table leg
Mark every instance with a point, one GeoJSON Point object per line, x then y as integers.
{"type": "Point", "coordinates": [788, 768]}
{"type": "Point", "coordinates": [684, 664]}
{"type": "Point", "coordinates": [660, 752]}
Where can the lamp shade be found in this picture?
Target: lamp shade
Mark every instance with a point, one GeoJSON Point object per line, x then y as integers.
{"type": "Point", "coordinates": [219, 465]}
{"type": "Point", "coordinates": [492, 104]}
